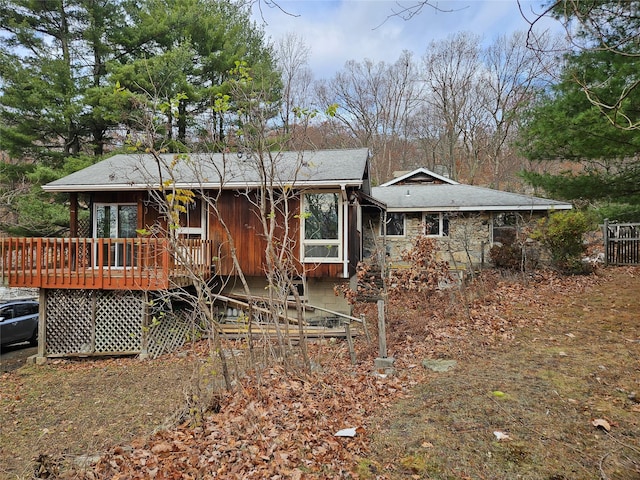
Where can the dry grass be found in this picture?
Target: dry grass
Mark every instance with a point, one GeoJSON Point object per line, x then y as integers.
{"type": "Point", "coordinates": [71, 408]}
{"type": "Point", "coordinates": [562, 352]}
{"type": "Point", "coordinates": [578, 361]}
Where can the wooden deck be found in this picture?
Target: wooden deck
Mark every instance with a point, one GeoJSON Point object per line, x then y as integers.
{"type": "Point", "coordinates": [102, 263]}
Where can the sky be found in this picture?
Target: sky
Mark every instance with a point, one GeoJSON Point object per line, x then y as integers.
{"type": "Point", "coordinates": [340, 30]}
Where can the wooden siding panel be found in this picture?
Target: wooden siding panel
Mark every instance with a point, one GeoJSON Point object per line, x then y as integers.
{"type": "Point", "coordinates": [243, 221]}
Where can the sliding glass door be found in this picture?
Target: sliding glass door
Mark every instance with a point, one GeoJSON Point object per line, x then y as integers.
{"type": "Point", "coordinates": [113, 221]}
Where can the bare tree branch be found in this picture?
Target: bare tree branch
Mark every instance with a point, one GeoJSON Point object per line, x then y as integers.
{"type": "Point", "coordinates": [408, 11]}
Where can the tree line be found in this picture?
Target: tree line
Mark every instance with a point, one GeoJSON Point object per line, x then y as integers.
{"type": "Point", "coordinates": [79, 80]}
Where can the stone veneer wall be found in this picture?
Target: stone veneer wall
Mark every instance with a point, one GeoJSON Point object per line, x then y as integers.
{"type": "Point", "coordinates": [468, 242]}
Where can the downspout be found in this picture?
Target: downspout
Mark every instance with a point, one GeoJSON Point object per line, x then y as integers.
{"type": "Point", "coordinates": [345, 230]}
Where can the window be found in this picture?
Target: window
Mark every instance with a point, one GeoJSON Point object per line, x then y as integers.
{"type": "Point", "coordinates": [6, 313]}
{"type": "Point", "coordinates": [115, 221]}
{"type": "Point", "coordinates": [395, 225]}
{"type": "Point", "coordinates": [436, 224]}
{"type": "Point", "coordinates": [505, 226]}
{"type": "Point", "coordinates": [322, 231]}
{"type": "Point", "coordinates": [23, 309]}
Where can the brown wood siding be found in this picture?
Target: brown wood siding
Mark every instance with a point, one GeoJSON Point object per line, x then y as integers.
{"type": "Point", "coordinates": [246, 230]}
{"type": "Point", "coordinates": [243, 222]}
{"type": "Point", "coordinates": [118, 197]}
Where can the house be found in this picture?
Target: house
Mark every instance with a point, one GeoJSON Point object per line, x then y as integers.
{"type": "Point", "coordinates": [465, 220]}
{"type": "Point", "coordinates": [155, 221]}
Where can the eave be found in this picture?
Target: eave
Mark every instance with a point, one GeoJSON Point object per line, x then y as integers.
{"type": "Point", "coordinates": [129, 187]}
{"type": "Point", "coordinates": [481, 208]}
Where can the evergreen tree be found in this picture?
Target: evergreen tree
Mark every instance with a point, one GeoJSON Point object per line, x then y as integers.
{"type": "Point", "coordinates": [74, 75]}
{"type": "Point", "coordinates": [591, 116]}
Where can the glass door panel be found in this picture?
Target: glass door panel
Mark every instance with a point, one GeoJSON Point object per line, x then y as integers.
{"type": "Point", "coordinates": [116, 221]}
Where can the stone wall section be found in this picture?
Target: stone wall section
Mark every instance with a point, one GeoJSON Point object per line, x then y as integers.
{"type": "Point", "coordinates": [467, 245]}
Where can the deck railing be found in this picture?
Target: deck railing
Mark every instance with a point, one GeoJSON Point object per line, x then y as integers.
{"type": "Point", "coordinates": [103, 263]}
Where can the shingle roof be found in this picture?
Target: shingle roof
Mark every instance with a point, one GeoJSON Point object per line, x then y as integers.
{"type": "Point", "coordinates": [444, 198]}
{"type": "Point", "coordinates": [419, 173]}
{"type": "Point", "coordinates": [138, 172]}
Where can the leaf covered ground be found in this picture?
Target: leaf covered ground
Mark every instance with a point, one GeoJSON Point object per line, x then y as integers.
{"type": "Point", "coordinates": [540, 360]}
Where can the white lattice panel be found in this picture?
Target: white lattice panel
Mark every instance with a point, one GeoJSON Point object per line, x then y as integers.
{"type": "Point", "coordinates": [102, 321]}
{"type": "Point", "coordinates": [118, 321]}
{"type": "Point", "coordinates": [69, 322]}
{"type": "Point", "coordinates": [168, 335]}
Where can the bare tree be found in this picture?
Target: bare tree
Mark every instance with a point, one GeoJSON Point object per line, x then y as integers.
{"type": "Point", "coordinates": [511, 76]}
{"type": "Point", "coordinates": [274, 202]}
{"type": "Point", "coordinates": [450, 68]}
{"type": "Point", "coordinates": [474, 103]}
{"type": "Point", "coordinates": [376, 104]}
{"type": "Point", "coordinates": [292, 56]}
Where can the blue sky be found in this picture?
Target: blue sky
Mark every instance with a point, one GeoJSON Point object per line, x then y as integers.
{"type": "Point", "coordinates": [340, 30]}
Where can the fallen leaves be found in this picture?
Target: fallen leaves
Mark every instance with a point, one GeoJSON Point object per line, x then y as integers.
{"type": "Point", "coordinates": [277, 426]}
{"type": "Point", "coordinates": [283, 425]}
{"type": "Point", "coordinates": [601, 423]}
{"type": "Point", "coordinates": [271, 427]}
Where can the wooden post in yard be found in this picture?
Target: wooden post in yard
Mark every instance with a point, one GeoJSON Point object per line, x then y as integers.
{"type": "Point", "coordinates": [605, 233]}
{"type": "Point", "coordinates": [383, 364]}
{"type": "Point", "coordinates": [363, 319]}
{"type": "Point", "coordinates": [352, 352]}
{"type": "Point", "coordinates": [382, 331]}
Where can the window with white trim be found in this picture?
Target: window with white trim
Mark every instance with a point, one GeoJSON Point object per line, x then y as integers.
{"type": "Point", "coordinates": [115, 221]}
{"type": "Point", "coordinates": [436, 224]}
{"type": "Point", "coordinates": [395, 225]}
{"type": "Point", "coordinates": [322, 227]}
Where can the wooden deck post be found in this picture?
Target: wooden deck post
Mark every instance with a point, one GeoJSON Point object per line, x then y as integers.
{"type": "Point", "coordinates": [144, 339]}
{"type": "Point", "coordinates": [42, 323]}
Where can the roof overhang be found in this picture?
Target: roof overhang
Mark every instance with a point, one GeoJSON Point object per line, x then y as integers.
{"type": "Point", "coordinates": [129, 187]}
{"type": "Point", "coordinates": [481, 208]}
{"type": "Point", "coordinates": [369, 201]}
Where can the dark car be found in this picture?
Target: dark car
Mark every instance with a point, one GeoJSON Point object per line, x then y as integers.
{"type": "Point", "coordinates": [19, 322]}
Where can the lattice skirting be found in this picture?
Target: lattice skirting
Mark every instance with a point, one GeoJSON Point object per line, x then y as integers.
{"type": "Point", "coordinates": [167, 335]}
{"type": "Point", "coordinates": [99, 322]}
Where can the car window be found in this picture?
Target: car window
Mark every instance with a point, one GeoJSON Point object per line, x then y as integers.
{"type": "Point", "coordinates": [6, 313]}
{"type": "Point", "coordinates": [23, 309]}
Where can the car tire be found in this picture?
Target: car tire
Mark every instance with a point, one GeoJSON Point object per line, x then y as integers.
{"type": "Point", "coordinates": [33, 341]}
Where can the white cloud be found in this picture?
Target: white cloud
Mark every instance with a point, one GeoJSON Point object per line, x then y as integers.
{"type": "Point", "coordinates": [338, 31]}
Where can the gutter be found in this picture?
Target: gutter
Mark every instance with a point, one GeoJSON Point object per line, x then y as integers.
{"type": "Point", "coordinates": [120, 187]}
{"type": "Point", "coordinates": [491, 208]}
